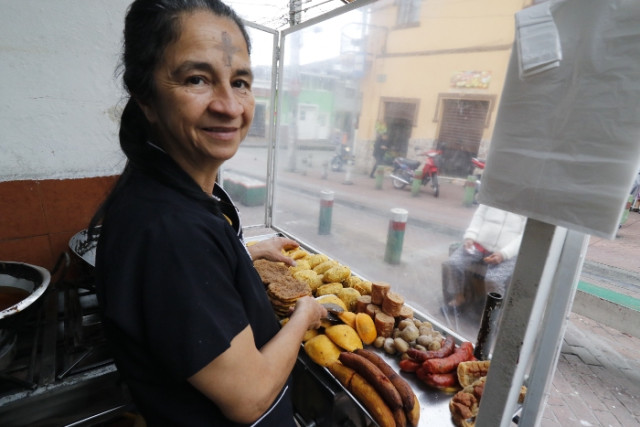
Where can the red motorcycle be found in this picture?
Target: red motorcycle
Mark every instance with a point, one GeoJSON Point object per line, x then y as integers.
{"type": "Point", "coordinates": [478, 162]}
{"type": "Point", "coordinates": [404, 171]}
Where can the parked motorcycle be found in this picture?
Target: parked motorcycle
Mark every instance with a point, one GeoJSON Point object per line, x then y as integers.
{"type": "Point", "coordinates": [404, 171]}
{"type": "Point", "coordinates": [342, 157]}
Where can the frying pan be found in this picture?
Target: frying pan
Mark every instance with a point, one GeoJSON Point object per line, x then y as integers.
{"type": "Point", "coordinates": [30, 278]}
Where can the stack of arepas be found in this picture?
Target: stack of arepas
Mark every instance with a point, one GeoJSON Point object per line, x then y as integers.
{"type": "Point", "coordinates": [284, 293]}
{"type": "Point", "coordinates": [283, 289]}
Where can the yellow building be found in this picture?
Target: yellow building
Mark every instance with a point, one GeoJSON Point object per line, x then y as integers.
{"type": "Point", "coordinates": [434, 71]}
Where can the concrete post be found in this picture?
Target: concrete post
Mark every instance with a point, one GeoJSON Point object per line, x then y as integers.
{"type": "Point", "coordinates": [469, 191]}
{"type": "Point", "coordinates": [347, 175]}
{"type": "Point", "coordinates": [379, 177]}
{"type": "Point", "coordinates": [395, 235]}
{"type": "Point", "coordinates": [326, 211]}
{"type": "Point", "coordinates": [416, 183]}
{"type": "Point", "coordinates": [627, 208]}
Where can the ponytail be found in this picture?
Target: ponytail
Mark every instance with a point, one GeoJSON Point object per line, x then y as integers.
{"type": "Point", "coordinates": [134, 132]}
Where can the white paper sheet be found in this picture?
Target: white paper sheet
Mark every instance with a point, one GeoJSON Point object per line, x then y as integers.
{"type": "Point", "coordinates": [566, 146]}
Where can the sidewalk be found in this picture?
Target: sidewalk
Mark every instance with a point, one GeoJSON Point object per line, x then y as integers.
{"type": "Point", "coordinates": [597, 380]}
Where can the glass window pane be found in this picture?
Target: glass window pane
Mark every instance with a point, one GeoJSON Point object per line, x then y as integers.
{"type": "Point", "coordinates": [245, 175]}
{"type": "Point", "coordinates": [351, 78]}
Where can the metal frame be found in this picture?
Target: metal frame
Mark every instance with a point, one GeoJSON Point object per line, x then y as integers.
{"type": "Point", "coordinates": [535, 308]}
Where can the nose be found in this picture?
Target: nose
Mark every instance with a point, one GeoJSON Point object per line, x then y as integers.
{"type": "Point", "coordinates": [225, 101]}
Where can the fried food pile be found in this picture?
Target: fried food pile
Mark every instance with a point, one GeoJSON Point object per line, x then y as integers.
{"type": "Point", "coordinates": [465, 404]}
{"type": "Point", "coordinates": [371, 311]}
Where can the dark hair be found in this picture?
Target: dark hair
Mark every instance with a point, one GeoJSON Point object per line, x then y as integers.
{"type": "Point", "coordinates": [150, 26]}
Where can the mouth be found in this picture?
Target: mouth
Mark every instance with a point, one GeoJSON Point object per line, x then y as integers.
{"type": "Point", "coordinates": [221, 132]}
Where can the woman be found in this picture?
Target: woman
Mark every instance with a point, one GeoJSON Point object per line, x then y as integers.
{"type": "Point", "coordinates": [191, 328]}
{"type": "Point", "coordinates": [492, 238]}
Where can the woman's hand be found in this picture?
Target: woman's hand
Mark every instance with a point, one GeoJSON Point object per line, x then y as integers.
{"type": "Point", "coordinates": [494, 258]}
{"type": "Point", "coordinates": [271, 249]}
{"type": "Point", "coordinates": [467, 243]}
{"type": "Point", "coordinates": [312, 309]}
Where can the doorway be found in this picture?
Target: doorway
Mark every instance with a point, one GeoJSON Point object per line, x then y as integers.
{"type": "Point", "coordinates": [400, 117]}
{"type": "Point", "coordinates": [462, 124]}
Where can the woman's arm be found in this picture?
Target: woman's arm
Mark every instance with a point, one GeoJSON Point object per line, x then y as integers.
{"type": "Point", "coordinates": [244, 380]}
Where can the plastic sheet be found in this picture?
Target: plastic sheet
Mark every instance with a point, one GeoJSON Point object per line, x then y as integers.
{"type": "Point", "coordinates": [566, 146]}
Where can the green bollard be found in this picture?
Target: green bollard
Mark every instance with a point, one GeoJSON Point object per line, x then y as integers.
{"type": "Point", "coordinates": [379, 177]}
{"type": "Point", "coordinates": [326, 211]}
{"type": "Point", "coordinates": [627, 208]}
{"type": "Point", "coordinates": [395, 235]}
{"type": "Point", "coordinates": [416, 183]}
{"type": "Point", "coordinates": [469, 191]}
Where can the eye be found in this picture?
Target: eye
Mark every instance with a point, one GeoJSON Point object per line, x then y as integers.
{"type": "Point", "coordinates": [241, 84]}
{"type": "Point", "coordinates": [195, 80]}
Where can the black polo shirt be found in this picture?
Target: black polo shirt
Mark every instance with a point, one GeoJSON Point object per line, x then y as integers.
{"type": "Point", "coordinates": [176, 285]}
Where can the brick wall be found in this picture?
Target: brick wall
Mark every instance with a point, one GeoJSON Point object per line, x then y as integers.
{"type": "Point", "coordinates": [37, 218]}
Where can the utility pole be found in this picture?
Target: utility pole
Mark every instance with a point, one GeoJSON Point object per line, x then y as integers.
{"type": "Point", "coordinates": [295, 12]}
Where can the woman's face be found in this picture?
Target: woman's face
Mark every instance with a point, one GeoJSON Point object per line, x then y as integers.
{"type": "Point", "coordinates": [204, 104]}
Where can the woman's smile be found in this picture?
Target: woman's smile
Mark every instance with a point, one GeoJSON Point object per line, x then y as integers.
{"type": "Point", "coordinates": [221, 132]}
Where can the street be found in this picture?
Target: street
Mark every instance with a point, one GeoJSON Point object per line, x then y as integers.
{"type": "Point", "coordinates": [360, 221]}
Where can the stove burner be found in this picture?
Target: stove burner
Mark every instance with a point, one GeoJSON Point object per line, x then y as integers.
{"type": "Point", "coordinates": [55, 363]}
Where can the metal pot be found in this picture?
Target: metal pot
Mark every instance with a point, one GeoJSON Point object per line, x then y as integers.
{"type": "Point", "coordinates": [31, 280]}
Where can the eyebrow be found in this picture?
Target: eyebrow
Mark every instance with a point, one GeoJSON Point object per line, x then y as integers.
{"type": "Point", "coordinates": [206, 67]}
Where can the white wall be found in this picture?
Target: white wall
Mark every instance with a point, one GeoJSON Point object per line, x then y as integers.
{"type": "Point", "coordinates": [60, 97]}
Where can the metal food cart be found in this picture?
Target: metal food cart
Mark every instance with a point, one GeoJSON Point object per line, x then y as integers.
{"type": "Point", "coordinates": [427, 74]}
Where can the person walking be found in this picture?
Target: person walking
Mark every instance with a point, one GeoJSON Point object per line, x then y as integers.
{"type": "Point", "coordinates": [380, 148]}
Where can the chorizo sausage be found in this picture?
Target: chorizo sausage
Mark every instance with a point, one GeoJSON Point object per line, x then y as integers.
{"type": "Point", "coordinates": [438, 380]}
{"type": "Point", "coordinates": [447, 348]}
{"type": "Point", "coordinates": [408, 365]}
{"type": "Point", "coordinates": [449, 363]}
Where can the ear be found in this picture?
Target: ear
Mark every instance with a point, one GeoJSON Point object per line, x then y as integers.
{"type": "Point", "coordinates": [148, 110]}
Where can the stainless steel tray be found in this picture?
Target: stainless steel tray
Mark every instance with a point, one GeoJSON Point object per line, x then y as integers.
{"type": "Point", "coordinates": [434, 404]}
